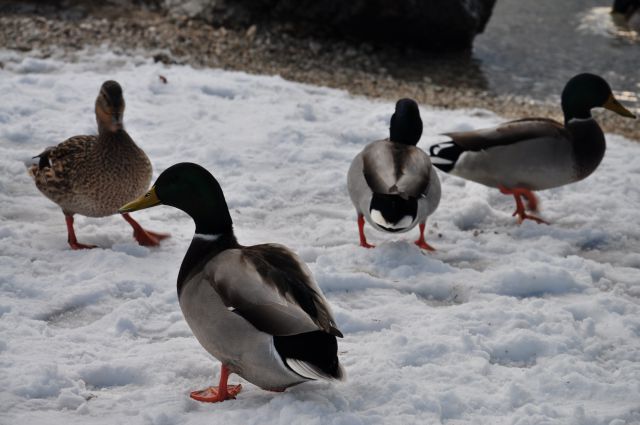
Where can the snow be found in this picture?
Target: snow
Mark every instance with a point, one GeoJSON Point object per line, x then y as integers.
{"type": "Point", "coordinates": [503, 324]}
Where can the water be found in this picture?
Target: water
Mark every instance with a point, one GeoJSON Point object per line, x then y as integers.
{"type": "Point", "coordinates": [533, 47]}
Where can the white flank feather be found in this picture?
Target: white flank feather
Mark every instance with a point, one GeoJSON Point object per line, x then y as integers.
{"type": "Point", "coordinates": [379, 219]}
{"type": "Point", "coordinates": [440, 146]}
{"type": "Point", "coordinates": [307, 370]}
{"type": "Point", "coordinates": [438, 160]}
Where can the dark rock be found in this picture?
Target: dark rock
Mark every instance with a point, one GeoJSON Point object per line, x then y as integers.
{"type": "Point", "coordinates": [626, 7]}
{"type": "Point", "coordinates": [630, 9]}
{"type": "Point", "coordinates": [164, 58]}
{"type": "Point", "coordinates": [430, 24]}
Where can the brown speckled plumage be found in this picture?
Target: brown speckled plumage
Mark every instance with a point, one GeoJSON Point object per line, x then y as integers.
{"type": "Point", "coordinates": [96, 175]}
{"type": "Point", "coordinates": [93, 175]}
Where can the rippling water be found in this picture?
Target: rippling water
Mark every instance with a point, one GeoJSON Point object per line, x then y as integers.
{"type": "Point", "coordinates": [533, 47]}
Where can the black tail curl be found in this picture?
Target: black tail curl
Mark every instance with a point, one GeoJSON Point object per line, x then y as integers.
{"type": "Point", "coordinates": [445, 155]}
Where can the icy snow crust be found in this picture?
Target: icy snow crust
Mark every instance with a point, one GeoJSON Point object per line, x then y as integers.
{"type": "Point", "coordinates": [504, 324]}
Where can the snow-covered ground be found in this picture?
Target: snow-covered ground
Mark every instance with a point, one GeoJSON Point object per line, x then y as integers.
{"type": "Point", "coordinates": [504, 324]}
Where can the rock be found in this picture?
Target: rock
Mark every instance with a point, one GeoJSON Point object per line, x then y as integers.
{"type": "Point", "coordinates": [626, 7]}
{"type": "Point", "coordinates": [164, 58]}
{"type": "Point", "coordinates": [429, 24]}
{"type": "Point", "coordinates": [630, 9]}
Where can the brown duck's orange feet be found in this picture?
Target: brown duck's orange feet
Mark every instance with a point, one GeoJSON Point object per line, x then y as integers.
{"type": "Point", "coordinates": [144, 237]}
{"type": "Point", "coordinates": [149, 238]}
{"type": "Point", "coordinates": [363, 239]}
{"type": "Point", "coordinates": [71, 238]}
{"type": "Point", "coordinates": [421, 242]}
{"type": "Point", "coordinates": [215, 395]}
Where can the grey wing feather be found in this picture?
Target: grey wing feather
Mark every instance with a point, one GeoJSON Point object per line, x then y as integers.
{"type": "Point", "coordinates": [416, 175]}
{"type": "Point", "coordinates": [393, 168]}
{"type": "Point", "coordinates": [248, 281]}
{"type": "Point", "coordinates": [509, 133]}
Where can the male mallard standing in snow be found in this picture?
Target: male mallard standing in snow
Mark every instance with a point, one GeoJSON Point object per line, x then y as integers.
{"type": "Point", "coordinates": [534, 153]}
{"type": "Point", "coordinates": [255, 308]}
{"type": "Point", "coordinates": [391, 182]}
{"type": "Point", "coordinates": [95, 175]}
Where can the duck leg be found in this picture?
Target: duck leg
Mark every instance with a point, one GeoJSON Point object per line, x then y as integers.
{"type": "Point", "coordinates": [363, 239]}
{"type": "Point", "coordinates": [421, 242]}
{"type": "Point", "coordinates": [71, 238]}
{"type": "Point", "coordinates": [532, 200]}
{"type": "Point", "coordinates": [520, 211]}
{"type": "Point", "coordinates": [144, 237]}
{"type": "Point", "coordinates": [220, 393]}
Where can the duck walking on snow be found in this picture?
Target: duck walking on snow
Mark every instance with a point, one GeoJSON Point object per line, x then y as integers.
{"type": "Point", "coordinates": [530, 154]}
{"type": "Point", "coordinates": [95, 175]}
{"type": "Point", "coordinates": [392, 183]}
{"type": "Point", "coordinates": [257, 308]}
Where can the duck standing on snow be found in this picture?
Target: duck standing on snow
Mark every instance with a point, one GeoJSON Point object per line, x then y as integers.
{"type": "Point", "coordinates": [391, 182]}
{"type": "Point", "coordinates": [530, 154]}
{"type": "Point", "coordinates": [255, 308]}
{"type": "Point", "coordinates": [95, 175]}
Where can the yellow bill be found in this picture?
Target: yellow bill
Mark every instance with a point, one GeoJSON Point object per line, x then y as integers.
{"type": "Point", "coordinates": [148, 200]}
{"type": "Point", "coordinates": [613, 105]}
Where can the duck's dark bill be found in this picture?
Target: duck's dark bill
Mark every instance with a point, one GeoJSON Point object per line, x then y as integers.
{"type": "Point", "coordinates": [148, 200]}
{"type": "Point", "coordinates": [613, 105]}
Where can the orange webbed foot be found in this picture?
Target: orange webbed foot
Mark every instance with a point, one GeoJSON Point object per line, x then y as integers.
{"type": "Point", "coordinates": [522, 216]}
{"type": "Point", "coordinates": [424, 245]}
{"type": "Point", "coordinates": [144, 237]}
{"type": "Point", "coordinates": [532, 204]}
{"type": "Point", "coordinates": [149, 238]}
{"type": "Point", "coordinates": [214, 395]}
{"type": "Point", "coordinates": [77, 245]}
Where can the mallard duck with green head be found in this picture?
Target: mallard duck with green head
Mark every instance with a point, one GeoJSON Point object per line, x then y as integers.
{"type": "Point", "coordinates": [391, 182]}
{"type": "Point", "coordinates": [95, 175]}
{"type": "Point", "coordinates": [533, 154]}
{"type": "Point", "coordinates": [257, 309]}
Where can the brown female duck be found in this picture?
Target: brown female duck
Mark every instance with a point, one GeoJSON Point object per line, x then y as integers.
{"type": "Point", "coordinates": [95, 175]}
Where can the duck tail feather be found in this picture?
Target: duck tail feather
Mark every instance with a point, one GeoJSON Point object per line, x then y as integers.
{"type": "Point", "coordinates": [445, 155]}
{"type": "Point", "coordinates": [310, 371]}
